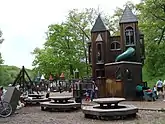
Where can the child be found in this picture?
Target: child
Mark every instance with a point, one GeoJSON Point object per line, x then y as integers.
{"type": "Point", "coordinates": [1, 93]}
{"type": "Point", "coordinates": [87, 98]}
{"type": "Point", "coordinates": [155, 91]}
{"type": "Point", "coordinates": [48, 93]}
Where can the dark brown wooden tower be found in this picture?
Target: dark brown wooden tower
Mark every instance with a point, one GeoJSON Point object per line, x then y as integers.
{"type": "Point", "coordinates": [130, 34]}
{"type": "Point", "coordinates": [100, 37]}
{"type": "Point", "coordinates": [117, 61]}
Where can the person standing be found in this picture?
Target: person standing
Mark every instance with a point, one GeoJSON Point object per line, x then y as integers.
{"type": "Point", "coordinates": [155, 91]}
{"type": "Point", "coordinates": [48, 93]}
{"type": "Point", "coordinates": [139, 91]}
{"type": "Point", "coordinates": [92, 94]}
{"type": "Point", "coordinates": [96, 91]}
{"type": "Point", "coordinates": [159, 86]}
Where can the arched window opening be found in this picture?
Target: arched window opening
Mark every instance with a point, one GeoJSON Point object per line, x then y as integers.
{"type": "Point", "coordinates": [99, 56]}
{"type": "Point", "coordinates": [129, 36]}
{"type": "Point", "coordinates": [115, 45]}
{"type": "Point", "coordinates": [128, 74]}
{"type": "Point", "coordinates": [112, 46]}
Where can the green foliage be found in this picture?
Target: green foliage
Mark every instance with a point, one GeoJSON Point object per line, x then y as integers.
{"type": "Point", "coordinates": [62, 50]}
{"type": "Point", "coordinates": [152, 23]}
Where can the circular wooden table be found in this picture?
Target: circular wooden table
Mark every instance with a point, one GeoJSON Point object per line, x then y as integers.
{"type": "Point", "coordinates": [104, 112]}
{"type": "Point", "coordinates": [61, 99]}
{"type": "Point", "coordinates": [35, 95]}
{"type": "Point", "coordinates": [108, 101]}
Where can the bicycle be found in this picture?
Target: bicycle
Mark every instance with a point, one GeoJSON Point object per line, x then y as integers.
{"type": "Point", "coordinates": [5, 109]}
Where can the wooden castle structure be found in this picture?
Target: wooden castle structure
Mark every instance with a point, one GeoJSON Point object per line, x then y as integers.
{"type": "Point", "coordinates": [117, 61]}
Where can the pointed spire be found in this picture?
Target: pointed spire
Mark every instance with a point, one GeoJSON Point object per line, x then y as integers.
{"type": "Point", "coordinates": [99, 25]}
{"type": "Point", "coordinates": [42, 77]}
{"type": "Point", "coordinates": [128, 16]}
{"type": "Point", "coordinates": [62, 75]}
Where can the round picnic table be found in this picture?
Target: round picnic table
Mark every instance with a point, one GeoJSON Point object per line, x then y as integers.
{"type": "Point", "coordinates": [61, 99]}
{"type": "Point", "coordinates": [35, 95]}
{"type": "Point", "coordinates": [108, 101]}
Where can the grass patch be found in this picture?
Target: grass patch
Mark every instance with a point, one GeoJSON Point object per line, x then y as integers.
{"type": "Point", "coordinates": [151, 80]}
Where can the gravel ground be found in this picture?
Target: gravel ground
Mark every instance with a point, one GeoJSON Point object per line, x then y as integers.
{"type": "Point", "coordinates": [34, 115]}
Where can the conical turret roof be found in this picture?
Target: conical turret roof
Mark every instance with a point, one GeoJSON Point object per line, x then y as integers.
{"type": "Point", "coordinates": [128, 16]}
{"type": "Point", "coordinates": [99, 25]}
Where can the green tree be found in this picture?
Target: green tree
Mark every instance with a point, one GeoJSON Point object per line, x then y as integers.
{"type": "Point", "coordinates": [61, 50]}
{"type": "Point", "coordinates": [152, 23]}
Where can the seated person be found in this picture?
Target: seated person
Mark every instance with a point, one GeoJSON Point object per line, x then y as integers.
{"type": "Point", "coordinates": [87, 98]}
{"type": "Point", "coordinates": [1, 93]}
{"type": "Point", "coordinates": [149, 94]}
{"type": "Point", "coordinates": [139, 91]}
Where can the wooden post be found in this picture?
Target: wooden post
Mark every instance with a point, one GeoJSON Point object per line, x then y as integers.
{"type": "Point", "coordinates": [23, 77]}
{"type": "Point", "coordinates": [81, 92]}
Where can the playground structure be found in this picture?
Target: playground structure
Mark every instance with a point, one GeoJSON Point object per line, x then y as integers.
{"type": "Point", "coordinates": [40, 83]}
{"type": "Point", "coordinates": [22, 81]}
{"type": "Point", "coordinates": [117, 61]}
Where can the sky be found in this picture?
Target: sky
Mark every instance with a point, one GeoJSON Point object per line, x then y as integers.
{"type": "Point", "coordinates": [24, 23]}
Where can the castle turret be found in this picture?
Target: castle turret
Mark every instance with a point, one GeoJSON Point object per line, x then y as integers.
{"type": "Point", "coordinates": [130, 33]}
{"type": "Point", "coordinates": [100, 36]}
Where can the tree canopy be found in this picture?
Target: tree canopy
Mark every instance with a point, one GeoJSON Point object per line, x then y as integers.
{"type": "Point", "coordinates": [152, 24]}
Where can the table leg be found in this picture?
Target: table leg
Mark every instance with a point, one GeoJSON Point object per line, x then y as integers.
{"type": "Point", "coordinates": [60, 101]}
{"type": "Point", "coordinates": [42, 108]}
{"type": "Point", "coordinates": [101, 105]}
{"type": "Point", "coordinates": [109, 105]}
{"type": "Point", "coordinates": [116, 104]}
